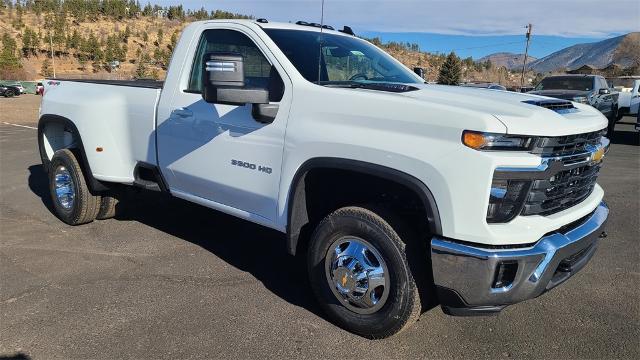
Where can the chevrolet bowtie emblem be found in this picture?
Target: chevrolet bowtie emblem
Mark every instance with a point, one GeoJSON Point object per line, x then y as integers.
{"type": "Point", "coordinates": [598, 155]}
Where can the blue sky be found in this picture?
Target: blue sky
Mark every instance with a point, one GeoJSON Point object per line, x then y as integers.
{"type": "Point", "coordinates": [470, 27]}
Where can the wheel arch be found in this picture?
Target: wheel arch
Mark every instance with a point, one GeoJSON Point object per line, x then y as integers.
{"type": "Point", "coordinates": [297, 210]}
{"type": "Point", "coordinates": [78, 147]}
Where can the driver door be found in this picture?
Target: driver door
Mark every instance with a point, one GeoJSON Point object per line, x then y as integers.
{"type": "Point", "coordinates": [219, 155]}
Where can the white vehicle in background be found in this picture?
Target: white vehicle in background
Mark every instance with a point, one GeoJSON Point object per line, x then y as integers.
{"type": "Point", "coordinates": [629, 98]}
{"type": "Point", "coordinates": [399, 194]}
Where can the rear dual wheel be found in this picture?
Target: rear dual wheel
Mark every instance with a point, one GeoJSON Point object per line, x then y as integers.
{"type": "Point", "coordinates": [360, 272]}
{"type": "Point", "coordinates": [73, 201]}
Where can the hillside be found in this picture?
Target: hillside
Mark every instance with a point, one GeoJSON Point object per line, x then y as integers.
{"type": "Point", "coordinates": [116, 40]}
{"type": "Point", "coordinates": [618, 50]}
{"type": "Point", "coordinates": [509, 60]}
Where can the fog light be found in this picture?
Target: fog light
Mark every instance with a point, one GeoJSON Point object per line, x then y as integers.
{"type": "Point", "coordinates": [505, 199]}
{"type": "Point", "coordinates": [505, 274]}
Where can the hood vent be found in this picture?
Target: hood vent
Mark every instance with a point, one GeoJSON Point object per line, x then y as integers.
{"type": "Point", "coordinates": [559, 106]}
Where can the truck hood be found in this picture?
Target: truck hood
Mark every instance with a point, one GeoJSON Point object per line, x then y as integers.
{"type": "Point", "coordinates": [511, 108]}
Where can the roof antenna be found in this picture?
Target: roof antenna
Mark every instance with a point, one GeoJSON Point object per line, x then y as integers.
{"type": "Point", "coordinates": [320, 42]}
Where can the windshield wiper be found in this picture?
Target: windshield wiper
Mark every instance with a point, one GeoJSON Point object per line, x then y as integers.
{"type": "Point", "coordinates": [381, 86]}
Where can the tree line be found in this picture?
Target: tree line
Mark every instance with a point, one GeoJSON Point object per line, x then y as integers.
{"type": "Point", "coordinates": [83, 10]}
{"type": "Point", "coordinates": [58, 37]}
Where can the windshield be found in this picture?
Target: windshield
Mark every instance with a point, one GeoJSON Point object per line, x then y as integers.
{"type": "Point", "coordinates": [343, 59]}
{"type": "Point", "coordinates": [566, 83]}
{"type": "Point", "coordinates": [623, 82]}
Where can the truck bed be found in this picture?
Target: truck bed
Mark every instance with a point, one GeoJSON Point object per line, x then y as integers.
{"type": "Point", "coordinates": [119, 119]}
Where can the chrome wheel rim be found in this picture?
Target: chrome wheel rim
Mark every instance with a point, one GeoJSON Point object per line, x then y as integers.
{"type": "Point", "coordinates": [65, 191]}
{"type": "Point", "coordinates": [357, 275]}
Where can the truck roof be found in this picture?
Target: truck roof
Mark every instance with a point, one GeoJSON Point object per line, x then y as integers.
{"type": "Point", "coordinates": [276, 25]}
{"type": "Point", "coordinates": [574, 75]}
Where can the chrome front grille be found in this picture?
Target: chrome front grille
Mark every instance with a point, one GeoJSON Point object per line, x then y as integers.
{"type": "Point", "coordinates": [573, 181]}
{"type": "Point", "coordinates": [567, 145]}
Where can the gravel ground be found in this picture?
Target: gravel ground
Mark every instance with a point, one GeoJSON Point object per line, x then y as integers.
{"type": "Point", "coordinates": [21, 109]}
{"type": "Point", "coordinates": [169, 279]}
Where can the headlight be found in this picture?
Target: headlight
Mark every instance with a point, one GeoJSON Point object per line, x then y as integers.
{"type": "Point", "coordinates": [506, 199]}
{"type": "Point", "coordinates": [581, 99]}
{"type": "Point", "coordinates": [490, 141]}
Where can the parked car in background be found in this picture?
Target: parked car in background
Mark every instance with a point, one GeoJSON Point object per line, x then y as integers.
{"type": "Point", "coordinates": [629, 96]}
{"type": "Point", "coordinates": [586, 89]}
{"type": "Point", "coordinates": [491, 86]}
{"type": "Point", "coordinates": [18, 86]}
{"type": "Point", "coordinates": [9, 91]}
{"type": "Point", "coordinates": [39, 89]}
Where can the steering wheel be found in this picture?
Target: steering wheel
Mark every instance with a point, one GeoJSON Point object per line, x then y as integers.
{"type": "Point", "coordinates": [357, 76]}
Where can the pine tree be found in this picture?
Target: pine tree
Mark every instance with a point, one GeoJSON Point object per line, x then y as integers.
{"type": "Point", "coordinates": [26, 42]}
{"type": "Point", "coordinates": [141, 70]}
{"type": "Point", "coordinates": [160, 36]}
{"type": "Point", "coordinates": [174, 40]}
{"type": "Point", "coordinates": [450, 71]}
{"type": "Point", "coordinates": [83, 62]}
{"type": "Point", "coordinates": [127, 34]}
{"type": "Point", "coordinates": [46, 68]}
{"type": "Point", "coordinates": [8, 59]}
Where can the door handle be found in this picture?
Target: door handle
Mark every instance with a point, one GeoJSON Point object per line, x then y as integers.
{"type": "Point", "coordinates": [182, 113]}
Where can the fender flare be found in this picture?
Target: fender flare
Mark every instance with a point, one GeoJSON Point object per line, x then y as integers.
{"type": "Point", "coordinates": [297, 215]}
{"type": "Point", "coordinates": [94, 184]}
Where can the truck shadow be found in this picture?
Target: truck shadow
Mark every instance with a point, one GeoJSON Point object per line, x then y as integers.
{"type": "Point", "coordinates": [625, 138]}
{"type": "Point", "coordinates": [243, 245]}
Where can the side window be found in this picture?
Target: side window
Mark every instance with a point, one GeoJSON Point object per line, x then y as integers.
{"type": "Point", "coordinates": [257, 69]}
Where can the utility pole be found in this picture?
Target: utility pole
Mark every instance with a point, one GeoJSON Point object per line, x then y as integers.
{"type": "Point", "coordinates": [526, 53]}
{"type": "Point", "coordinates": [53, 61]}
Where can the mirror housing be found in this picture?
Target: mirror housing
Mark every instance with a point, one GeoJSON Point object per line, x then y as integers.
{"type": "Point", "coordinates": [419, 71]}
{"type": "Point", "coordinates": [223, 81]}
{"type": "Point", "coordinates": [604, 91]}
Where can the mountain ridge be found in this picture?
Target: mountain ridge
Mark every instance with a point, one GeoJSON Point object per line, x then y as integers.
{"type": "Point", "coordinates": [622, 50]}
{"type": "Point", "coordinates": [507, 59]}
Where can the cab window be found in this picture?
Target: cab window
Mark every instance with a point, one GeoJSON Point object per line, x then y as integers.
{"type": "Point", "coordinates": [258, 72]}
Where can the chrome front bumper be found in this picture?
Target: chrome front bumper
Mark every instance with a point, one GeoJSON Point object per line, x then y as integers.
{"type": "Point", "coordinates": [466, 275]}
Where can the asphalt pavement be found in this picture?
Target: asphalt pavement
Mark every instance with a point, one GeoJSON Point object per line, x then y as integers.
{"type": "Point", "coordinates": [169, 279]}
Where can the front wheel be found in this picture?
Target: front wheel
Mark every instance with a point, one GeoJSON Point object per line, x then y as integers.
{"type": "Point", "coordinates": [359, 271]}
{"type": "Point", "coordinates": [72, 200]}
{"type": "Point", "coordinates": [9, 93]}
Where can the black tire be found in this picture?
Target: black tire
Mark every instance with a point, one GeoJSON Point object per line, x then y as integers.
{"type": "Point", "coordinates": [402, 305]}
{"type": "Point", "coordinates": [108, 206]}
{"type": "Point", "coordinates": [84, 206]}
{"type": "Point", "coordinates": [9, 93]}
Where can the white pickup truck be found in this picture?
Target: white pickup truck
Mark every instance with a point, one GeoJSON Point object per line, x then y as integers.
{"type": "Point", "coordinates": [399, 194]}
{"type": "Point", "coordinates": [629, 97]}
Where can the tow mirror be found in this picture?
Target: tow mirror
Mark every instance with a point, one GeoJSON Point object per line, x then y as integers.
{"type": "Point", "coordinates": [419, 71]}
{"type": "Point", "coordinates": [604, 91]}
{"type": "Point", "coordinates": [223, 81]}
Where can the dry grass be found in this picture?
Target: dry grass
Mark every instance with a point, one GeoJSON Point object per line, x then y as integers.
{"type": "Point", "coordinates": [68, 65]}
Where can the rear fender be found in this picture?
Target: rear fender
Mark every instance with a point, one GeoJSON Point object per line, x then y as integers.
{"type": "Point", "coordinates": [75, 145]}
